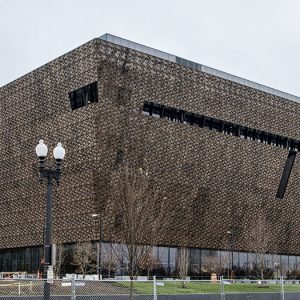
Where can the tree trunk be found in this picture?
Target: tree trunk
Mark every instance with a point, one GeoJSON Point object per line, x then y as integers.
{"type": "Point", "coordinates": [183, 283]}
{"type": "Point", "coordinates": [131, 288]}
{"type": "Point", "coordinates": [262, 273]}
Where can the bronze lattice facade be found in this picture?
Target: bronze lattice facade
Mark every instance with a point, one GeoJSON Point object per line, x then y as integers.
{"type": "Point", "coordinates": [214, 181]}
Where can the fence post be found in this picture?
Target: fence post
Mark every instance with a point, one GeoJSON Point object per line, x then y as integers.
{"type": "Point", "coordinates": [19, 286]}
{"type": "Point", "coordinates": [73, 287]}
{"type": "Point", "coordinates": [282, 288]}
{"type": "Point", "coordinates": [154, 288]}
{"type": "Point", "coordinates": [222, 288]}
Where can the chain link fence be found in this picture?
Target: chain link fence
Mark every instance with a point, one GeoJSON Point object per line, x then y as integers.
{"type": "Point", "coordinates": [165, 289]}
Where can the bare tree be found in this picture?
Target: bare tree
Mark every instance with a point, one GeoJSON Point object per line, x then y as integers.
{"type": "Point", "coordinates": [60, 259]}
{"type": "Point", "coordinates": [110, 259]}
{"type": "Point", "coordinates": [149, 263]}
{"type": "Point", "coordinates": [225, 260]}
{"type": "Point", "coordinates": [183, 262]}
{"type": "Point", "coordinates": [84, 257]}
{"type": "Point", "coordinates": [284, 269]}
{"type": "Point", "coordinates": [261, 241]}
{"type": "Point", "coordinates": [213, 264]}
{"type": "Point", "coordinates": [139, 215]}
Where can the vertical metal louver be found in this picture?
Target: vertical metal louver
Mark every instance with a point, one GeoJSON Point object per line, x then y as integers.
{"type": "Point", "coordinates": [286, 174]}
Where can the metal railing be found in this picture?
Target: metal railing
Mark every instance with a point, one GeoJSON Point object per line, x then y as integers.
{"type": "Point", "coordinates": [165, 289]}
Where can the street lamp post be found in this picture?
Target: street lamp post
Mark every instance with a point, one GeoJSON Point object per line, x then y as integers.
{"type": "Point", "coordinates": [49, 175]}
{"type": "Point", "coordinates": [231, 234]}
{"type": "Point", "coordinates": [99, 250]}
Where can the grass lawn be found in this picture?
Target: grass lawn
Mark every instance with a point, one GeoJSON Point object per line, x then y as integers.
{"type": "Point", "coordinates": [170, 288]}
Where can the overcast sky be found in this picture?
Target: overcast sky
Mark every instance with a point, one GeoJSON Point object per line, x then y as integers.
{"type": "Point", "coordinates": [255, 39]}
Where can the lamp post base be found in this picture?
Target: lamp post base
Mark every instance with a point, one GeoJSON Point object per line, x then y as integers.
{"type": "Point", "coordinates": [46, 284]}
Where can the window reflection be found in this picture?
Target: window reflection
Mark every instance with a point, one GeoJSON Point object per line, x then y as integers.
{"type": "Point", "coordinates": [235, 260]}
{"type": "Point", "coordinates": [14, 261]}
{"type": "Point", "coordinates": [27, 264]}
{"type": "Point", "coordinates": [195, 261]}
{"type": "Point", "coordinates": [252, 261]}
{"type": "Point", "coordinates": [195, 256]}
{"type": "Point", "coordinates": [205, 253]}
{"type": "Point", "coordinates": [225, 259]}
{"type": "Point", "coordinates": [243, 263]}
{"type": "Point", "coordinates": [269, 261]}
{"type": "Point", "coordinates": [163, 256]}
{"type": "Point", "coordinates": [284, 265]}
{"type": "Point", "coordinates": [173, 255]}
{"type": "Point", "coordinates": [292, 264]}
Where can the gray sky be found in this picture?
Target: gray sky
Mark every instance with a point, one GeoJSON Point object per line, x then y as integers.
{"type": "Point", "coordinates": [255, 39]}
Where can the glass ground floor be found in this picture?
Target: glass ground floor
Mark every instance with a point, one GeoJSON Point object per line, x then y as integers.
{"type": "Point", "coordinates": [202, 262]}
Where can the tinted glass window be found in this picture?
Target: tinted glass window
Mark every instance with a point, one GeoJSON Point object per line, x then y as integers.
{"type": "Point", "coordinates": [84, 96]}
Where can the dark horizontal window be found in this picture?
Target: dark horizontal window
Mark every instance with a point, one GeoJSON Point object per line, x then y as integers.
{"type": "Point", "coordinates": [181, 116]}
{"type": "Point", "coordinates": [84, 96]}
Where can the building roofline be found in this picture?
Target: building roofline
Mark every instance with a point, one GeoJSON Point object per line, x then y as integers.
{"type": "Point", "coordinates": [196, 66]}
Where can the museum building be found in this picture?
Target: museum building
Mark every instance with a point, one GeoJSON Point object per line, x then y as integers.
{"type": "Point", "coordinates": [223, 149]}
